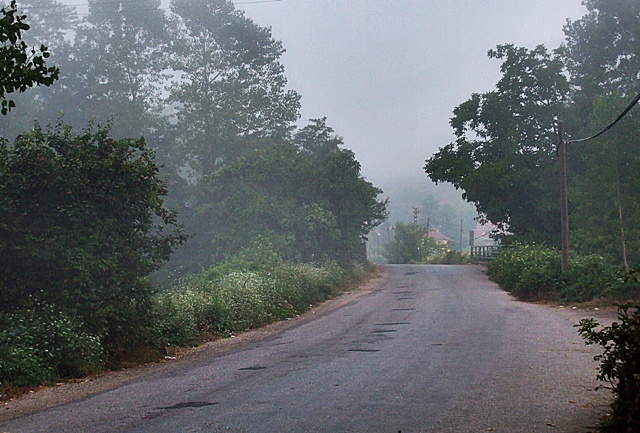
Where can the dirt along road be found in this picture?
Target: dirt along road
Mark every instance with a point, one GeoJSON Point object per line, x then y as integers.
{"type": "Point", "coordinates": [424, 349]}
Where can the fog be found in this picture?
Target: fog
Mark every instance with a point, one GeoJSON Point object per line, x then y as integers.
{"type": "Point", "coordinates": [388, 74]}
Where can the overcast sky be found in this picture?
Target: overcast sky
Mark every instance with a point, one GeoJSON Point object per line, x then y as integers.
{"type": "Point", "coordinates": [388, 73]}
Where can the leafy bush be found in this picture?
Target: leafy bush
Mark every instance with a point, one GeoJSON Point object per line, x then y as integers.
{"type": "Point", "coordinates": [185, 314]}
{"type": "Point", "coordinates": [82, 225]}
{"type": "Point", "coordinates": [534, 272]}
{"type": "Point", "coordinates": [237, 296]}
{"type": "Point", "coordinates": [44, 345]}
{"type": "Point", "coordinates": [588, 277]}
{"type": "Point", "coordinates": [527, 271]}
{"type": "Point", "coordinates": [619, 365]}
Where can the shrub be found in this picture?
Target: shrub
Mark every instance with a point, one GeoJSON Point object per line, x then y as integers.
{"type": "Point", "coordinates": [240, 295]}
{"type": "Point", "coordinates": [619, 365]}
{"type": "Point", "coordinates": [588, 277]}
{"type": "Point", "coordinates": [185, 314]}
{"type": "Point", "coordinates": [527, 271]}
{"type": "Point", "coordinates": [82, 225]}
{"type": "Point", "coordinates": [533, 272]}
{"type": "Point", "coordinates": [43, 345]}
{"type": "Point", "coordinates": [450, 257]}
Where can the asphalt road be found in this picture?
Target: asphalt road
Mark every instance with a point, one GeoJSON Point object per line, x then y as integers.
{"type": "Point", "coordinates": [427, 349]}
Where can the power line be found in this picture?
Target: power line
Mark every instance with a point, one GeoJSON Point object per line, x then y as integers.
{"type": "Point", "coordinates": [144, 1]}
{"type": "Point", "coordinates": [624, 113]}
{"type": "Point", "coordinates": [141, 2]}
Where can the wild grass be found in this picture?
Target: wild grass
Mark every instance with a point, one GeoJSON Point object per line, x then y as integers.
{"type": "Point", "coordinates": [42, 345]}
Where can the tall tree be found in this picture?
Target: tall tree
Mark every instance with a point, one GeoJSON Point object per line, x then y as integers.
{"type": "Point", "coordinates": [605, 211]}
{"type": "Point", "coordinates": [117, 67]}
{"type": "Point", "coordinates": [603, 47]}
{"type": "Point", "coordinates": [231, 93]}
{"type": "Point", "coordinates": [303, 204]}
{"type": "Point", "coordinates": [503, 157]}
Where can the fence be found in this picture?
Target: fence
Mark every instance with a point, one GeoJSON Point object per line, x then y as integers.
{"type": "Point", "coordinates": [485, 253]}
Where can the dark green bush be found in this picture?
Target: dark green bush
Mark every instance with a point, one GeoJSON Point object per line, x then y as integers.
{"type": "Point", "coordinates": [527, 271]}
{"type": "Point", "coordinates": [619, 366]}
{"type": "Point", "coordinates": [82, 226]}
{"type": "Point", "coordinates": [43, 345]}
{"type": "Point", "coordinates": [534, 272]}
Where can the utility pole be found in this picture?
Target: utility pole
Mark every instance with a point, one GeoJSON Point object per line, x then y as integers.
{"type": "Point", "coordinates": [564, 201]}
{"type": "Point", "coordinates": [416, 212]}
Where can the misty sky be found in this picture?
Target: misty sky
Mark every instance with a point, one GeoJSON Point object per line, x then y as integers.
{"type": "Point", "coordinates": [388, 73]}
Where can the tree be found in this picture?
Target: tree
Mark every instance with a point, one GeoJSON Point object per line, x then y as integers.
{"type": "Point", "coordinates": [49, 22]}
{"type": "Point", "coordinates": [405, 245]}
{"type": "Point", "coordinates": [116, 68]}
{"type": "Point", "coordinates": [231, 96]}
{"type": "Point", "coordinates": [20, 68]}
{"type": "Point", "coordinates": [605, 211]}
{"type": "Point", "coordinates": [602, 47]}
{"type": "Point", "coordinates": [82, 225]}
{"type": "Point", "coordinates": [303, 205]}
{"type": "Point", "coordinates": [602, 51]}
{"type": "Point", "coordinates": [504, 156]}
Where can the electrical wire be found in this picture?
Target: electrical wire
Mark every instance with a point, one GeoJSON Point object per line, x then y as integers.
{"type": "Point", "coordinates": [624, 113]}
{"type": "Point", "coordinates": [248, 2]}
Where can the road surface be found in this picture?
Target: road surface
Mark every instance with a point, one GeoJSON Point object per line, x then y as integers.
{"type": "Point", "coordinates": [425, 349]}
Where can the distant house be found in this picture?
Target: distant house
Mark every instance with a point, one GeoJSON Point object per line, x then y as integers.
{"type": "Point", "coordinates": [438, 237]}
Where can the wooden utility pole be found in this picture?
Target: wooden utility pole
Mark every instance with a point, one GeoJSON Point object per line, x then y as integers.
{"type": "Point", "coordinates": [564, 201]}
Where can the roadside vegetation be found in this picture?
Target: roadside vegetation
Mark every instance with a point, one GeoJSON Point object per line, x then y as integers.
{"type": "Point", "coordinates": [533, 272]}
{"type": "Point", "coordinates": [411, 245]}
{"type": "Point", "coordinates": [117, 249]}
{"type": "Point", "coordinates": [504, 159]}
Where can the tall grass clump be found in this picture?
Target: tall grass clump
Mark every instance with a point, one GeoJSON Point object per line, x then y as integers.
{"type": "Point", "coordinates": [239, 296]}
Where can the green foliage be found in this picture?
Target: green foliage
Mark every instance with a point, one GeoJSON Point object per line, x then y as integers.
{"type": "Point", "coordinates": [235, 297]}
{"type": "Point", "coordinates": [529, 272]}
{"type": "Point", "coordinates": [405, 245]}
{"type": "Point", "coordinates": [186, 313]}
{"type": "Point", "coordinates": [450, 257]}
{"type": "Point", "coordinates": [125, 51]}
{"type": "Point", "coordinates": [602, 47]}
{"type": "Point", "coordinates": [43, 345]}
{"type": "Point", "coordinates": [619, 365]}
{"type": "Point", "coordinates": [605, 211]}
{"type": "Point", "coordinates": [232, 94]}
{"type": "Point", "coordinates": [410, 244]}
{"type": "Point", "coordinates": [503, 157]}
{"type": "Point", "coordinates": [20, 68]}
{"type": "Point", "coordinates": [83, 224]}
{"type": "Point", "coordinates": [287, 203]}
{"type": "Point", "coordinates": [534, 272]}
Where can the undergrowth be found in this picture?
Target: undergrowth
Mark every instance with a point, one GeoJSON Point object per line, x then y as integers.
{"type": "Point", "coordinates": [42, 345]}
{"type": "Point", "coordinates": [534, 273]}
